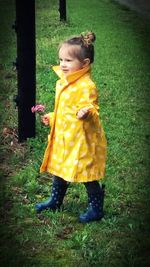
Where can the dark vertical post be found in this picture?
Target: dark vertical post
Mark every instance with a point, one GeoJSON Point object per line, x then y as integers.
{"type": "Point", "coordinates": [62, 10]}
{"type": "Point", "coordinates": [26, 72]}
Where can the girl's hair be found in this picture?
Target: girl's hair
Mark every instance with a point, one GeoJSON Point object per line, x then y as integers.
{"type": "Point", "coordinates": [85, 44]}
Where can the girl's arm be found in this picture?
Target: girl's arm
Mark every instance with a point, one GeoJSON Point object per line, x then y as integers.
{"type": "Point", "coordinates": [88, 105]}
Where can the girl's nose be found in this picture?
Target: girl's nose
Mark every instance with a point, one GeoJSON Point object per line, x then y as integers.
{"type": "Point", "coordinates": [62, 63]}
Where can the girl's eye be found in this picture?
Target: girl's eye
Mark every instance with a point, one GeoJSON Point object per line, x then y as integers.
{"type": "Point", "coordinates": [67, 60]}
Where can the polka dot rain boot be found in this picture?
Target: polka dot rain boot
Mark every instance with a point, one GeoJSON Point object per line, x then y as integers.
{"type": "Point", "coordinates": [95, 208]}
{"type": "Point", "coordinates": [54, 203]}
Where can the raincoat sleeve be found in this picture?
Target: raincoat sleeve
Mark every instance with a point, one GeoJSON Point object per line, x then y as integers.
{"type": "Point", "coordinates": [89, 99]}
{"type": "Point", "coordinates": [51, 118]}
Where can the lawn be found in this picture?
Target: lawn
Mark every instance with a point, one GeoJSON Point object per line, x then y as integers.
{"type": "Point", "coordinates": [121, 72]}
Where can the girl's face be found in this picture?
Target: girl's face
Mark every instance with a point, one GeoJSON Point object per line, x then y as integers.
{"type": "Point", "coordinates": [68, 61]}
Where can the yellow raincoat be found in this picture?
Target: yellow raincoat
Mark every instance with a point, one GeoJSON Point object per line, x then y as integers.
{"type": "Point", "coordinates": [76, 149]}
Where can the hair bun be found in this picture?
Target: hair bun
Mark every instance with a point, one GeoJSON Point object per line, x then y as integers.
{"type": "Point", "coordinates": [91, 37]}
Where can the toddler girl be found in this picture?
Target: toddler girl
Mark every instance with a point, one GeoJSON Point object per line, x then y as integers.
{"type": "Point", "coordinates": [76, 150]}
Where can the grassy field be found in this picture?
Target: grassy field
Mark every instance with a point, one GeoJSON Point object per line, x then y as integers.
{"type": "Point", "coordinates": [121, 72]}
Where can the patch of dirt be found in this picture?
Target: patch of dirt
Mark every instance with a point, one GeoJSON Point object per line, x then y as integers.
{"type": "Point", "coordinates": [9, 147]}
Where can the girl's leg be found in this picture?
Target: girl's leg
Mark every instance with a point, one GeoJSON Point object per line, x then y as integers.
{"type": "Point", "coordinates": [59, 189]}
{"type": "Point", "coordinates": [95, 202]}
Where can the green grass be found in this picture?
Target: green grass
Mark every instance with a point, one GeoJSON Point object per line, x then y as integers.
{"type": "Point", "coordinates": [121, 72]}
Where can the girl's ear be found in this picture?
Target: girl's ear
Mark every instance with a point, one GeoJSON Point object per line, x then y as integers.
{"type": "Point", "coordinates": [86, 62]}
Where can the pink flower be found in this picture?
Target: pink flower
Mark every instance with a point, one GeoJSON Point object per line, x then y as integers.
{"type": "Point", "coordinates": [38, 108]}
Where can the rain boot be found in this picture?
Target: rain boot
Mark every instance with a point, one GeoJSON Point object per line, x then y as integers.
{"type": "Point", "coordinates": [95, 202]}
{"type": "Point", "coordinates": [54, 203]}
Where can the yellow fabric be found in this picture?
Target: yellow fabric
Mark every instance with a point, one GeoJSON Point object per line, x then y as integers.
{"type": "Point", "coordinates": [76, 149]}
{"type": "Point", "coordinates": [51, 118]}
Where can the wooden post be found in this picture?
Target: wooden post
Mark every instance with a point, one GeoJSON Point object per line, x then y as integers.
{"type": "Point", "coordinates": [26, 67]}
{"type": "Point", "coordinates": [62, 10]}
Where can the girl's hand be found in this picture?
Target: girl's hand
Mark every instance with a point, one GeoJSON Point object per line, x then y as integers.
{"type": "Point", "coordinates": [82, 113]}
{"type": "Point", "coordinates": [45, 119]}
